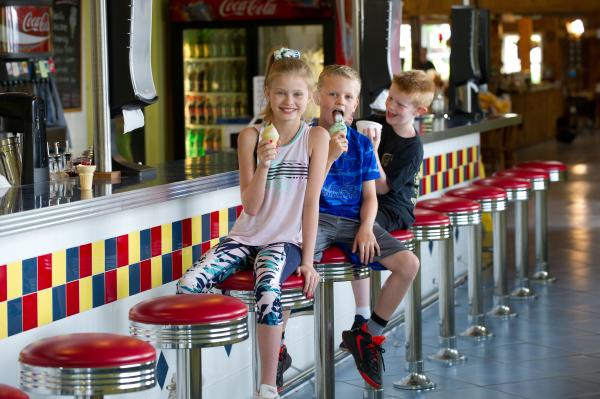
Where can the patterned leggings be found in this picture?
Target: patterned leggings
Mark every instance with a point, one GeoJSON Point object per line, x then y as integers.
{"type": "Point", "coordinates": [228, 257]}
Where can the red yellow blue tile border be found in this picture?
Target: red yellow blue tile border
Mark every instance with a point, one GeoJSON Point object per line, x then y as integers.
{"type": "Point", "coordinates": [50, 287]}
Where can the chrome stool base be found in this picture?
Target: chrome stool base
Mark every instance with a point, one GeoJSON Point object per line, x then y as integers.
{"type": "Point", "coordinates": [415, 382]}
{"type": "Point", "coordinates": [477, 332]}
{"type": "Point", "coordinates": [372, 393]}
{"type": "Point", "coordinates": [449, 356]}
{"type": "Point", "coordinates": [523, 293]}
{"type": "Point", "coordinates": [502, 312]}
{"type": "Point", "coordinates": [542, 276]}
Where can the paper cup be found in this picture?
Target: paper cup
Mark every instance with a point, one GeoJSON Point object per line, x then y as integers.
{"type": "Point", "coordinates": [362, 126]}
{"type": "Point", "coordinates": [86, 176]}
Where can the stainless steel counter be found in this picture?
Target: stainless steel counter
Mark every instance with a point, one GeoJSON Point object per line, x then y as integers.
{"type": "Point", "coordinates": [35, 206]}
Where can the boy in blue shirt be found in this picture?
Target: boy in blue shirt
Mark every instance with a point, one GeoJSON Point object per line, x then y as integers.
{"type": "Point", "coordinates": [348, 207]}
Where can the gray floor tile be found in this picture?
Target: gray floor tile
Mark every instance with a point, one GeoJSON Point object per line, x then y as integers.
{"type": "Point", "coordinates": [550, 388]}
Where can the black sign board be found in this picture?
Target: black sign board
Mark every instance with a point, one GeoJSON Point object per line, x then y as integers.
{"type": "Point", "coordinates": [67, 52]}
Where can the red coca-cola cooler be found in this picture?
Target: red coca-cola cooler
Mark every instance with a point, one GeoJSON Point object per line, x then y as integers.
{"type": "Point", "coordinates": [219, 46]}
{"type": "Point", "coordinates": [26, 29]}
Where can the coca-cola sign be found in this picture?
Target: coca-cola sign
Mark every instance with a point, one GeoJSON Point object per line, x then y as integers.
{"type": "Point", "coordinates": [36, 23]}
{"type": "Point", "coordinates": [28, 29]}
{"type": "Point", "coordinates": [245, 8]}
{"type": "Point", "coordinates": [239, 10]}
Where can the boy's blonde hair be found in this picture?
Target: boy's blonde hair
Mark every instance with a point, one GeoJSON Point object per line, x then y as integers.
{"type": "Point", "coordinates": [416, 84]}
{"type": "Point", "coordinates": [338, 70]}
{"type": "Point", "coordinates": [285, 66]}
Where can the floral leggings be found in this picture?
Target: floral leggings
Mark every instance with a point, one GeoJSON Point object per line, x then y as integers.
{"type": "Point", "coordinates": [272, 264]}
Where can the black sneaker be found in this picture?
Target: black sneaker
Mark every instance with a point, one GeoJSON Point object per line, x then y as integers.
{"type": "Point", "coordinates": [367, 352]}
{"type": "Point", "coordinates": [284, 363]}
{"type": "Point", "coordinates": [357, 323]}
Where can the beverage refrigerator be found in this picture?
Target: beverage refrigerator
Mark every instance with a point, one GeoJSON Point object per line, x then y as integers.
{"type": "Point", "coordinates": [218, 49]}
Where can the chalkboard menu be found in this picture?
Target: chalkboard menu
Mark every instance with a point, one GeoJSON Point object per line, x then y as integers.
{"type": "Point", "coordinates": [67, 52]}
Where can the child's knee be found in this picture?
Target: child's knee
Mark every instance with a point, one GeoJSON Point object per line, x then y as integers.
{"type": "Point", "coordinates": [268, 304]}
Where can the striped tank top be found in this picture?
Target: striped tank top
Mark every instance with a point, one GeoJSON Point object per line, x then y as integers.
{"type": "Point", "coordinates": [280, 217]}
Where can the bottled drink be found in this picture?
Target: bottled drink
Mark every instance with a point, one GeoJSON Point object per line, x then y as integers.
{"type": "Point", "coordinates": [208, 137]}
{"type": "Point", "coordinates": [200, 143]}
{"type": "Point", "coordinates": [200, 111]}
{"type": "Point", "coordinates": [192, 143]}
{"type": "Point", "coordinates": [217, 139]}
{"type": "Point", "coordinates": [208, 111]}
{"type": "Point", "coordinates": [242, 77]}
{"type": "Point", "coordinates": [187, 85]}
{"type": "Point", "coordinates": [203, 78]}
{"type": "Point", "coordinates": [218, 108]}
{"type": "Point", "coordinates": [191, 106]}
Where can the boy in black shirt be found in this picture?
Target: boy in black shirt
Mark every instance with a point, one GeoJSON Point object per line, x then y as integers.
{"type": "Point", "coordinates": [400, 153]}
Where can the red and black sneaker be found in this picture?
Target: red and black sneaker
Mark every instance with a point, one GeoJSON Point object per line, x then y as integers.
{"type": "Point", "coordinates": [284, 363]}
{"type": "Point", "coordinates": [367, 352]}
{"type": "Point", "coordinates": [358, 321]}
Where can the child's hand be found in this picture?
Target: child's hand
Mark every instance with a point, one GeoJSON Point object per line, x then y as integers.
{"type": "Point", "coordinates": [266, 152]}
{"type": "Point", "coordinates": [311, 279]}
{"type": "Point", "coordinates": [374, 135]}
{"type": "Point", "coordinates": [366, 244]}
{"type": "Point", "coordinates": [338, 144]}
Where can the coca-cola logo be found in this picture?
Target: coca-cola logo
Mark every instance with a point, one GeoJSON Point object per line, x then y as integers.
{"type": "Point", "coordinates": [36, 23]}
{"type": "Point", "coordinates": [250, 8]}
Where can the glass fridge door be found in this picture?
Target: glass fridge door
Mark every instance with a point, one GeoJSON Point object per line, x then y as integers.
{"type": "Point", "coordinates": [215, 86]}
{"type": "Point", "coordinates": [306, 38]}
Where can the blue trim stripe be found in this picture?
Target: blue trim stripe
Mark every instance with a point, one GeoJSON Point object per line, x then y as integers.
{"type": "Point", "coordinates": [98, 290]}
{"type": "Point", "coordinates": [15, 316]}
{"type": "Point", "coordinates": [134, 278]}
{"type": "Point", "coordinates": [205, 227]}
{"type": "Point", "coordinates": [196, 252]}
{"type": "Point", "coordinates": [145, 248]}
{"type": "Point", "coordinates": [72, 264]}
{"type": "Point", "coordinates": [59, 302]}
{"type": "Point", "coordinates": [29, 277]}
{"type": "Point", "coordinates": [177, 235]}
{"type": "Point", "coordinates": [110, 254]}
{"type": "Point", "coordinates": [231, 217]}
{"type": "Point", "coordinates": [167, 268]}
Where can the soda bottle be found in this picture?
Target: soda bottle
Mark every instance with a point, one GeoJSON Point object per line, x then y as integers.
{"type": "Point", "coordinates": [201, 77]}
{"type": "Point", "coordinates": [192, 142]}
{"type": "Point", "coordinates": [208, 135]}
{"type": "Point", "coordinates": [242, 77]}
{"type": "Point", "coordinates": [191, 108]}
{"type": "Point", "coordinates": [217, 139]}
{"type": "Point", "coordinates": [200, 143]}
{"type": "Point", "coordinates": [208, 111]}
{"type": "Point", "coordinates": [217, 109]}
{"type": "Point", "coordinates": [200, 112]}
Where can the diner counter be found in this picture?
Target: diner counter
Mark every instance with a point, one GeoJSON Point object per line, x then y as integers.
{"type": "Point", "coordinates": [56, 202]}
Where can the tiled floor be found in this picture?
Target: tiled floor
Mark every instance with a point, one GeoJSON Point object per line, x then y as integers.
{"type": "Point", "coordinates": [552, 349]}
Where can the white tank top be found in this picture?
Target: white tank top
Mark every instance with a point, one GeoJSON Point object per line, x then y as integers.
{"type": "Point", "coordinates": [280, 217]}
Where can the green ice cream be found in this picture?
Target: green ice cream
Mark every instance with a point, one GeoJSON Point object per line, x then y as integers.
{"type": "Point", "coordinates": [338, 126]}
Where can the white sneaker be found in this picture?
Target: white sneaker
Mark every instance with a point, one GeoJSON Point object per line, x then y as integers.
{"type": "Point", "coordinates": [267, 392]}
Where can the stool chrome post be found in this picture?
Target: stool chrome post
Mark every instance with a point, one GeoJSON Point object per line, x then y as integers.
{"type": "Point", "coordinates": [448, 352]}
{"type": "Point", "coordinates": [541, 273]}
{"type": "Point", "coordinates": [522, 289]}
{"type": "Point", "coordinates": [416, 380]}
{"type": "Point", "coordinates": [501, 307]}
{"type": "Point", "coordinates": [189, 383]}
{"type": "Point", "coordinates": [324, 349]}
{"type": "Point", "coordinates": [477, 328]}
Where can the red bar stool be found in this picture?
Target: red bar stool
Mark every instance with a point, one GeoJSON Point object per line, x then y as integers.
{"type": "Point", "coordinates": [556, 169]}
{"type": "Point", "coordinates": [428, 226]}
{"type": "Point", "coordinates": [517, 191]}
{"type": "Point", "coordinates": [333, 267]}
{"type": "Point", "coordinates": [8, 392]}
{"type": "Point", "coordinates": [87, 365]}
{"type": "Point", "coordinates": [240, 285]}
{"type": "Point", "coordinates": [467, 213]}
{"type": "Point", "coordinates": [539, 179]}
{"type": "Point", "coordinates": [189, 323]}
{"type": "Point", "coordinates": [493, 200]}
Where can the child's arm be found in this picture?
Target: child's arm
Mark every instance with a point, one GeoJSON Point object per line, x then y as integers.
{"type": "Point", "coordinates": [310, 211]}
{"type": "Point", "coordinates": [364, 241]}
{"type": "Point", "coordinates": [381, 184]}
{"type": "Point", "coordinates": [338, 144]}
{"type": "Point", "coordinates": [253, 176]}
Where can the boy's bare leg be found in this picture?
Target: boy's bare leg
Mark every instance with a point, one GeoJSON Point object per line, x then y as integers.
{"type": "Point", "coordinates": [361, 291]}
{"type": "Point", "coordinates": [269, 340]}
{"type": "Point", "coordinates": [404, 266]}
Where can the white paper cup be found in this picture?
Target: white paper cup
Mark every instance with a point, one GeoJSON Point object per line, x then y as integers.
{"type": "Point", "coordinates": [362, 126]}
{"type": "Point", "coordinates": [86, 176]}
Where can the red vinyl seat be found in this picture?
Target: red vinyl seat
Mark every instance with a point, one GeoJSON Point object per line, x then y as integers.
{"type": "Point", "coordinates": [402, 235]}
{"type": "Point", "coordinates": [449, 204]}
{"type": "Point", "coordinates": [478, 193]}
{"type": "Point", "coordinates": [188, 310]}
{"type": "Point", "coordinates": [8, 392]}
{"type": "Point", "coordinates": [334, 254]}
{"type": "Point", "coordinates": [244, 281]}
{"type": "Point", "coordinates": [427, 218]}
{"type": "Point", "coordinates": [504, 182]}
{"type": "Point", "coordinates": [524, 173]}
